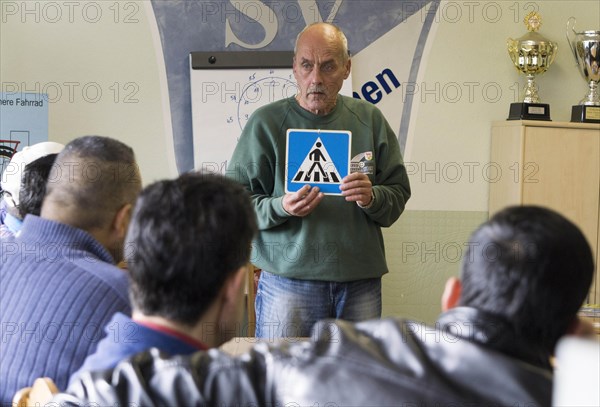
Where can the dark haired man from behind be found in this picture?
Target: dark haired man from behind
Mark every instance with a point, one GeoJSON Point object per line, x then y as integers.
{"type": "Point", "coordinates": [31, 194]}
{"type": "Point", "coordinates": [26, 173]}
{"type": "Point", "coordinates": [33, 185]}
{"type": "Point", "coordinates": [58, 281]}
{"type": "Point", "coordinates": [525, 275]}
{"type": "Point", "coordinates": [187, 270]}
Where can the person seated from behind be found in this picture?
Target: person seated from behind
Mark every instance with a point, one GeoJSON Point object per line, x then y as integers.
{"type": "Point", "coordinates": [33, 185]}
{"type": "Point", "coordinates": [59, 284]}
{"type": "Point", "coordinates": [187, 270]}
{"type": "Point", "coordinates": [31, 194]}
{"type": "Point", "coordinates": [13, 178]}
{"type": "Point", "coordinates": [524, 276]}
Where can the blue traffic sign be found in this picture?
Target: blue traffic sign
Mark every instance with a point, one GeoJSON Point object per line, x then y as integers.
{"type": "Point", "coordinates": [317, 158]}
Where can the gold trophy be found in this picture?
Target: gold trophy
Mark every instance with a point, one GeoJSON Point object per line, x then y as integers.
{"type": "Point", "coordinates": [532, 54]}
{"type": "Point", "coordinates": [586, 49]}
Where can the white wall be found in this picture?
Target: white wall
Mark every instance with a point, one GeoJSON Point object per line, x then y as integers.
{"type": "Point", "coordinates": [98, 63]}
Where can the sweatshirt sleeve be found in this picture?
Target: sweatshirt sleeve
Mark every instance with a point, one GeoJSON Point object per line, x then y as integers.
{"type": "Point", "coordinates": [253, 164]}
{"type": "Point", "coordinates": [391, 187]}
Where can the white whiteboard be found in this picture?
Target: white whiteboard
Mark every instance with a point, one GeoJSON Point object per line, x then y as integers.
{"type": "Point", "coordinates": [226, 87]}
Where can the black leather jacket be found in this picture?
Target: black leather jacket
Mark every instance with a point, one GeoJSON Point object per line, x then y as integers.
{"type": "Point", "coordinates": [385, 362]}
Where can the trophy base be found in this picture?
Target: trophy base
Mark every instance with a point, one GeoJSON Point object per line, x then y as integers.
{"type": "Point", "coordinates": [529, 111]}
{"type": "Point", "coordinates": [585, 114]}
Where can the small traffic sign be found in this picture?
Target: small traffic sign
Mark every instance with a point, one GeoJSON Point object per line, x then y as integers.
{"type": "Point", "coordinates": [317, 158]}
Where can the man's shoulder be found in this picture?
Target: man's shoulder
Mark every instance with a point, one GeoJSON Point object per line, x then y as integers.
{"type": "Point", "coordinates": [122, 340]}
{"type": "Point", "coordinates": [374, 362]}
{"type": "Point", "coordinates": [104, 275]}
{"type": "Point", "coordinates": [364, 112]}
{"type": "Point", "coordinates": [83, 273]}
{"type": "Point", "coordinates": [276, 107]}
{"type": "Point", "coordinates": [352, 103]}
{"type": "Point", "coordinates": [404, 352]}
{"type": "Point", "coordinates": [67, 254]}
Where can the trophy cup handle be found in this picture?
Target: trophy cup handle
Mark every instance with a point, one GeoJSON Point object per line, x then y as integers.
{"type": "Point", "coordinates": [571, 37]}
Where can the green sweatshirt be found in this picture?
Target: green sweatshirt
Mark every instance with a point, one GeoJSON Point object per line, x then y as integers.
{"type": "Point", "coordinates": [338, 241]}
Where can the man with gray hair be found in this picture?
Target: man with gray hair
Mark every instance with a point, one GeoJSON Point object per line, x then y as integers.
{"type": "Point", "coordinates": [58, 281]}
{"type": "Point", "coordinates": [339, 251]}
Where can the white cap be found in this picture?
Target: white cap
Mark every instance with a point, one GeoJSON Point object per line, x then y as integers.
{"type": "Point", "coordinates": [11, 177]}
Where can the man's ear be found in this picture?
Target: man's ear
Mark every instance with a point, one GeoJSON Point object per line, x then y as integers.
{"type": "Point", "coordinates": [121, 221]}
{"type": "Point", "coordinates": [348, 68]}
{"type": "Point", "coordinates": [234, 287]}
{"type": "Point", "coordinates": [231, 298]}
{"type": "Point", "coordinates": [451, 294]}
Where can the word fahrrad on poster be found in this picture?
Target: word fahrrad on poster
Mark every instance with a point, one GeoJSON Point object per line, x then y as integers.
{"type": "Point", "coordinates": [23, 122]}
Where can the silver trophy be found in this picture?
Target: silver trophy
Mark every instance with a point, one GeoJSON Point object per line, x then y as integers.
{"type": "Point", "coordinates": [586, 49]}
{"type": "Point", "coordinates": [532, 55]}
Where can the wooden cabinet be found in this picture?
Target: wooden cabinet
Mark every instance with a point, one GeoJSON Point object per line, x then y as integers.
{"type": "Point", "coordinates": [552, 164]}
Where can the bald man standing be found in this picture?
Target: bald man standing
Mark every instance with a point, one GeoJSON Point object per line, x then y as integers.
{"type": "Point", "coordinates": [321, 256]}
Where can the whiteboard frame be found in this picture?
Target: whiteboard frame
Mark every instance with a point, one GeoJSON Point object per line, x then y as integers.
{"type": "Point", "coordinates": [241, 59]}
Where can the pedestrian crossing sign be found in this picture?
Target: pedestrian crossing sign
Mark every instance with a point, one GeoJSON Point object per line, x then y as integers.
{"type": "Point", "coordinates": [318, 158]}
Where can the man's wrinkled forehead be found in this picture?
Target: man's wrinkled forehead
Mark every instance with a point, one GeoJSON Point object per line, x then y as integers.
{"type": "Point", "coordinates": [313, 53]}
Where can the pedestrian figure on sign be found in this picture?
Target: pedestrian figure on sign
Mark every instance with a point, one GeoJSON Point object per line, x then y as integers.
{"type": "Point", "coordinates": [316, 156]}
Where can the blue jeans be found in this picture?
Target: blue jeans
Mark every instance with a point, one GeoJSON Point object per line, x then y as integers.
{"type": "Point", "coordinates": [289, 307]}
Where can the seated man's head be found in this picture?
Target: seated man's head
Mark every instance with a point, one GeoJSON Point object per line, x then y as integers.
{"type": "Point", "coordinates": [13, 176]}
{"type": "Point", "coordinates": [530, 266]}
{"type": "Point", "coordinates": [33, 185]}
{"type": "Point", "coordinates": [187, 250]}
{"type": "Point", "coordinates": [92, 186]}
